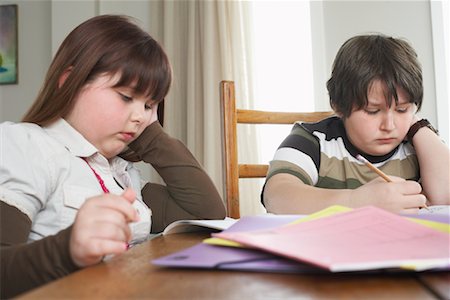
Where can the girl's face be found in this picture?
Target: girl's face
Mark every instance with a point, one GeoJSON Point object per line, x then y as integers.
{"type": "Point", "coordinates": [110, 117]}
{"type": "Point", "coordinates": [377, 129]}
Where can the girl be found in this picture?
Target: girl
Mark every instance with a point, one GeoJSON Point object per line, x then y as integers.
{"type": "Point", "coordinates": [66, 198]}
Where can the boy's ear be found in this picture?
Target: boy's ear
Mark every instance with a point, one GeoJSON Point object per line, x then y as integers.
{"type": "Point", "coordinates": [336, 112]}
{"type": "Point", "coordinates": [64, 76]}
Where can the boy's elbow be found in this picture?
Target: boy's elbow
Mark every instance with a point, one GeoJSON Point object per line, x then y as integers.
{"type": "Point", "coordinates": [439, 198]}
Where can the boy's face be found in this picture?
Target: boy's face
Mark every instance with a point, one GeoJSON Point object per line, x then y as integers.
{"type": "Point", "coordinates": [377, 129]}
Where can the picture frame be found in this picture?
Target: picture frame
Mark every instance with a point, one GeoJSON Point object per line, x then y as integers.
{"type": "Point", "coordinates": [9, 71]}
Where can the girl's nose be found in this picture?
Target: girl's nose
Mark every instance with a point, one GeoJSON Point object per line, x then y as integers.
{"type": "Point", "coordinates": [137, 114]}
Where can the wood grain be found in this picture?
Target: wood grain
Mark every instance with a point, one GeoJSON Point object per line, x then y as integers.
{"type": "Point", "coordinates": [132, 276]}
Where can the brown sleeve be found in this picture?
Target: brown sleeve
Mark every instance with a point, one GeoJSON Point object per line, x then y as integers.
{"type": "Point", "coordinates": [28, 265]}
{"type": "Point", "coordinates": [189, 192]}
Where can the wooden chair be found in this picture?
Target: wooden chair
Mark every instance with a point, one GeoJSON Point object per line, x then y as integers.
{"type": "Point", "coordinates": [231, 116]}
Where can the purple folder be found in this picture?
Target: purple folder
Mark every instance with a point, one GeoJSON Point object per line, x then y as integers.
{"type": "Point", "coordinates": [206, 256]}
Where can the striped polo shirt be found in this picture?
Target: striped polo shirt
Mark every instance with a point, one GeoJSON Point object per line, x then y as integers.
{"type": "Point", "coordinates": [320, 154]}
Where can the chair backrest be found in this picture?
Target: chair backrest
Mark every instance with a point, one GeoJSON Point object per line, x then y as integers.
{"type": "Point", "coordinates": [231, 116]}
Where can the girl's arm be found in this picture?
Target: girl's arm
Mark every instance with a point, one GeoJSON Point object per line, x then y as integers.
{"type": "Point", "coordinates": [189, 192]}
{"type": "Point", "coordinates": [434, 161]}
{"type": "Point", "coordinates": [26, 266]}
{"type": "Point", "coordinates": [100, 228]}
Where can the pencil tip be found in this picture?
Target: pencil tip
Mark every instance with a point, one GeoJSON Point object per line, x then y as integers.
{"type": "Point", "coordinates": [361, 158]}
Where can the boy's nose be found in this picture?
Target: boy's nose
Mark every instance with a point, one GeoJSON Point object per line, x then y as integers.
{"type": "Point", "coordinates": [388, 122]}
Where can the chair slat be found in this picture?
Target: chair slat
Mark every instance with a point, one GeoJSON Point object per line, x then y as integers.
{"type": "Point", "coordinates": [230, 118]}
{"type": "Point", "coordinates": [267, 117]}
{"type": "Point", "coordinates": [253, 170]}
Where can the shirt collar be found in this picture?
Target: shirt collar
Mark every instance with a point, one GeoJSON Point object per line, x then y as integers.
{"type": "Point", "coordinates": [72, 140]}
{"type": "Point", "coordinates": [76, 144]}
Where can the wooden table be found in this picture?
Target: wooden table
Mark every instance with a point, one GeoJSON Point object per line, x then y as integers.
{"type": "Point", "coordinates": [132, 276]}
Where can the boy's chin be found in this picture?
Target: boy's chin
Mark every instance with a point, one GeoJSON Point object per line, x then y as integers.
{"type": "Point", "coordinates": [380, 151]}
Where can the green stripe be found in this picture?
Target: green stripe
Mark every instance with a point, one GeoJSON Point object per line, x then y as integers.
{"type": "Point", "coordinates": [299, 130]}
{"type": "Point", "coordinates": [331, 183]}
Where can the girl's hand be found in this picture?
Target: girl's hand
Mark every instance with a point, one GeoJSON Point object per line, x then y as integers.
{"type": "Point", "coordinates": [101, 227]}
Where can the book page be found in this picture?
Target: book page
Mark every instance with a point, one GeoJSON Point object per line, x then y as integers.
{"type": "Point", "coordinates": [436, 209]}
{"type": "Point", "coordinates": [198, 225]}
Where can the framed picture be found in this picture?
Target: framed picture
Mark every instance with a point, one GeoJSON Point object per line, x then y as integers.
{"type": "Point", "coordinates": [8, 44]}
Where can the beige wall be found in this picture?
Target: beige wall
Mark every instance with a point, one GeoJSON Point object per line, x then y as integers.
{"type": "Point", "coordinates": [44, 23]}
{"type": "Point", "coordinates": [406, 19]}
{"type": "Point", "coordinates": [34, 22]}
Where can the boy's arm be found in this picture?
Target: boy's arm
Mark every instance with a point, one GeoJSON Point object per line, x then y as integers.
{"type": "Point", "coordinates": [286, 194]}
{"type": "Point", "coordinates": [189, 194]}
{"type": "Point", "coordinates": [434, 162]}
{"type": "Point", "coordinates": [28, 265]}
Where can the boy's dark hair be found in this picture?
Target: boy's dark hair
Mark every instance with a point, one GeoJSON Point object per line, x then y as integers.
{"type": "Point", "coordinates": [363, 59]}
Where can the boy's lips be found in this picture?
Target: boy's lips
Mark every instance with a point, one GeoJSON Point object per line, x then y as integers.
{"type": "Point", "coordinates": [386, 140]}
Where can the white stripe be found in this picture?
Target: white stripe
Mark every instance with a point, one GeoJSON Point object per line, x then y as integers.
{"type": "Point", "coordinates": [300, 159]}
{"type": "Point", "coordinates": [336, 148]}
{"type": "Point", "coordinates": [333, 148]}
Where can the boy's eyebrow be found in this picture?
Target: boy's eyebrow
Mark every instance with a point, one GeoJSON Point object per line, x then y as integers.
{"type": "Point", "coordinates": [375, 102]}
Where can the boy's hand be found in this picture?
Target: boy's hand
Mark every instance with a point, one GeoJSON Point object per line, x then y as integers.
{"type": "Point", "coordinates": [399, 196]}
{"type": "Point", "coordinates": [101, 227]}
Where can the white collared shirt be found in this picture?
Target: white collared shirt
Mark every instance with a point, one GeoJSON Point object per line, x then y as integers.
{"type": "Point", "coordinates": [43, 175]}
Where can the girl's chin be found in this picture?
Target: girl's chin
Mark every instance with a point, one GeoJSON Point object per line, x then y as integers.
{"type": "Point", "coordinates": [111, 154]}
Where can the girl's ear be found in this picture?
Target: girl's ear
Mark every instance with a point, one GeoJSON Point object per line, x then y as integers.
{"type": "Point", "coordinates": [64, 76]}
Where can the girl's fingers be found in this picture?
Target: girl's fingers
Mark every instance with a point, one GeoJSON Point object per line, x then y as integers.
{"type": "Point", "coordinates": [111, 231]}
{"type": "Point", "coordinates": [129, 195]}
{"type": "Point", "coordinates": [97, 248]}
{"type": "Point", "coordinates": [93, 239]}
{"type": "Point", "coordinates": [117, 203]}
{"type": "Point", "coordinates": [101, 227]}
{"type": "Point", "coordinates": [107, 216]}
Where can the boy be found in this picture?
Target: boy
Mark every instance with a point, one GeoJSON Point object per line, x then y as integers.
{"type": "Point", "coordinates": [375, 90]}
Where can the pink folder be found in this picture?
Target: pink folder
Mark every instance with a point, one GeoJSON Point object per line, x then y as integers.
{"type": "Point", "coordinates": [363, 239]}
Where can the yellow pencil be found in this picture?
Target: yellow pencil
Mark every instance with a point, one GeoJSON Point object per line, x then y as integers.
{"type": "Point", "coordinates": [373, 168]}
{"type": "Point", "coordinates": [376, 170]}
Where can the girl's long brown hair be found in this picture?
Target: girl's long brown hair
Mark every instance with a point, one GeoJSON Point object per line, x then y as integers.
{"type": "Point", "coordinates": [108, 44]}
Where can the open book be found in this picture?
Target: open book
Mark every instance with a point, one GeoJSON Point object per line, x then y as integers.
{"type": "Point", "coordinates": [436, 209]}
{"type": "Point", "coordinates": [198, 225]}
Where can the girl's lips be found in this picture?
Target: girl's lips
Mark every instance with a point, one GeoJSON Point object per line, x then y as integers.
{"type": "Point", "coordinates": [127, 136]}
